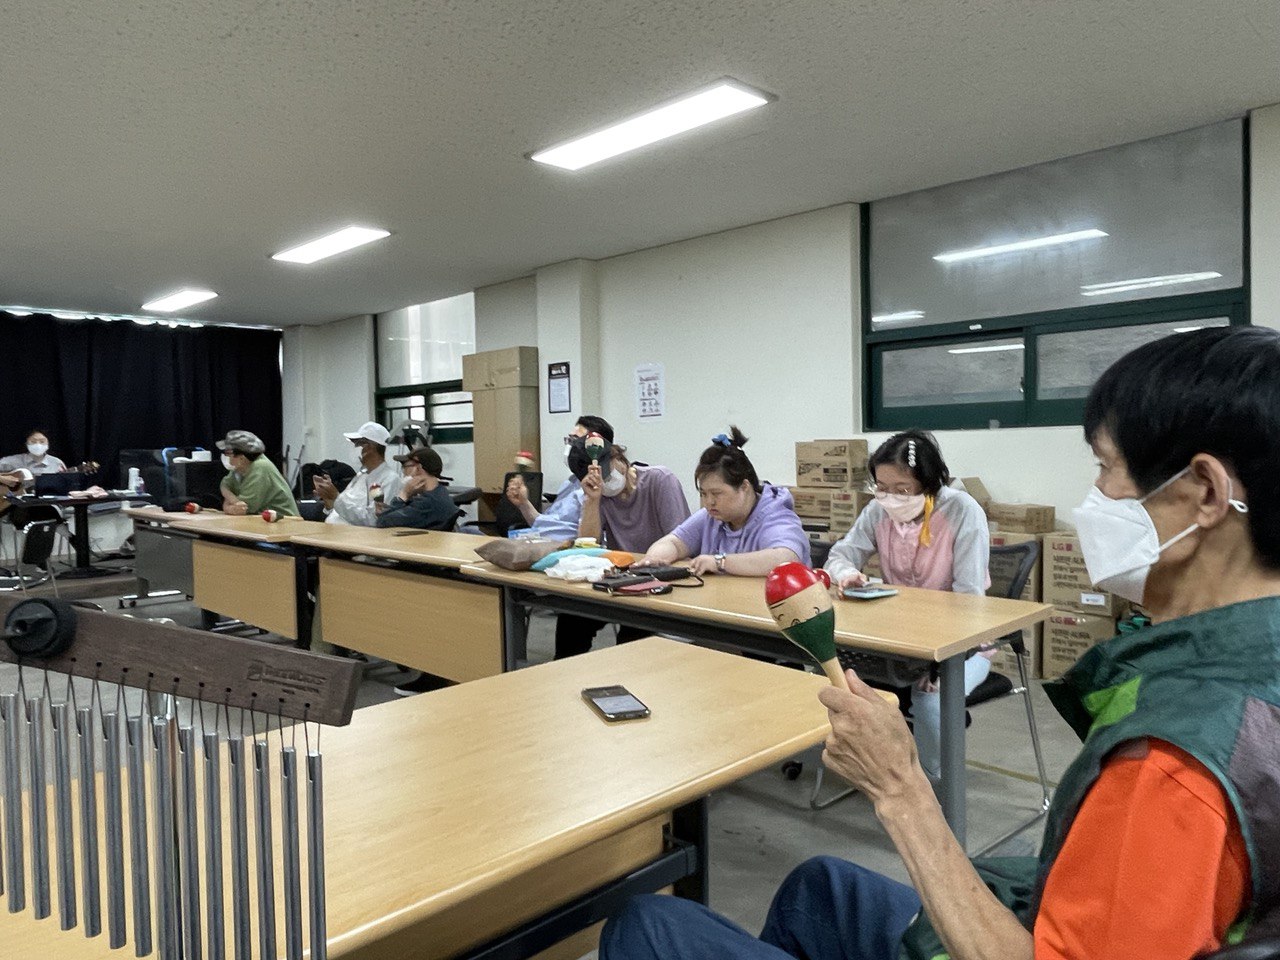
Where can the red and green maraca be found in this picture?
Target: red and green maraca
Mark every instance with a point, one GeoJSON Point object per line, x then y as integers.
{"type": "Point", "coordinates": [596, 447]}
{"type": "Point", "coordinates": [801, 606]}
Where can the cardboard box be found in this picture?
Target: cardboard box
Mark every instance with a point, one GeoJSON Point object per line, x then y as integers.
{"type": "Point", "coordinates": [1067, 635]}
{"type": "Point", "coordinates": [975, 488]}
{"type": "Point", "coordinates": [1022, 517]}
{"type": "Point", "coordinates": [831, 463]}
{"type": "Point", "coordinates": [813, 502]}
{"type": "Point", "coordinates": [1034, 585]}
{"type": "Point", "coordinates": [1066, 580]}
{"type": "Point", "coordinates": [846, 506]}
{"type": "Point", "coordinates": [1005, 661]}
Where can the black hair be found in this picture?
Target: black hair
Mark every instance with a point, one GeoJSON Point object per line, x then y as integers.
{"type": "Point", "coordinates": [917, 452]}
{"type": "Point", "coordinates": [32, 432]}
{"type": "Point", "coordinates": [1213, 391]}
{"type": "Point", "coordinates": [596, 425]}
{"type": "Point", "coordinates": [726, 459]}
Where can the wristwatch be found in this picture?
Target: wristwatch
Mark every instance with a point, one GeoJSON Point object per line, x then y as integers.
{"type": "Point", "coordinates": [719, 559]}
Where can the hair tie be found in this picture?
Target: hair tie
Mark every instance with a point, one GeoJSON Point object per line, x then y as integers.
{"type": "Point", "coordinates": [722, 439]}
{"type": "Point", "coordinates": [911, 454]}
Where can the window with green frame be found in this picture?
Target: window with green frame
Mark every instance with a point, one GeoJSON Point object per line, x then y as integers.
{"type": "Point", "coordinates": [999, 301]}
{"type": "Point", "coordinates": [444, 406]}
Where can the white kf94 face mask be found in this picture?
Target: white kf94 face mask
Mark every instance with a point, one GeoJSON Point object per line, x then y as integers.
{"type": "Point", "coordinates": [1119, 540]}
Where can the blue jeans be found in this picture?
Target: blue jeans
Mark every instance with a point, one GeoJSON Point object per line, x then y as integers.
{"type": "Point", "coordinates": [926, 710]}
{"type": "Point", "coordinates": [826, 909]}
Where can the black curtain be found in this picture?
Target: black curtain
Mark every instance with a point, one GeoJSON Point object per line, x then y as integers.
{"type": "Point", "coordinates": [98, 387]}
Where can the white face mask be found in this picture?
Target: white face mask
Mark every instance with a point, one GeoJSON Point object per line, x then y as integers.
{"type": "Point", "coordinates": [37, 449]}
{"type": "Point", "coordinates": [1119, 541]}
{"type": "Point", "coordinates": [567, 448]}
{"type": "Point", "coordinates": [900, 506]}
{"type": "Point", "coordinates": [226, 462]}
{"type": "Point", "coordinates": [614, 484]}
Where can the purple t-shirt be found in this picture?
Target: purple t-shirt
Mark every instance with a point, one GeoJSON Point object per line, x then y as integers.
{"type": "Point", "coordinates": [773, 523]}
{"type": "Point", "coordinates": [654, 509]}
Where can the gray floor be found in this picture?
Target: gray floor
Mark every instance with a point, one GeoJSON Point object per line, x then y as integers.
{"type": "Point", "coordinates": [762, 826]}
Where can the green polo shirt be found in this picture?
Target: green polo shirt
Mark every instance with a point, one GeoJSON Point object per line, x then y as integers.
{"type": "Point", "coordinates": [262, 488]}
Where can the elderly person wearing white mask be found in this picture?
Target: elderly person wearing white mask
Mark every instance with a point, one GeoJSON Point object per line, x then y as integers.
{"type": "Point", "coordinates": [377, 481]}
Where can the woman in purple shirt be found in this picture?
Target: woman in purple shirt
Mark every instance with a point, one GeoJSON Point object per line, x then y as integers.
{"type": "Point", "coordinates": [744, 528]}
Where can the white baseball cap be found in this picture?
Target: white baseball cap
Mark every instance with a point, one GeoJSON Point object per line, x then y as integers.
{"type": "Point", "coordinates": [374, 432]}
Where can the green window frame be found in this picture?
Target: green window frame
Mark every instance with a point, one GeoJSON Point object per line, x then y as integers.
{"type": "Point", "coordinates": [392, 405]}
{"type": "Point", "coordinates": [1031, 410]}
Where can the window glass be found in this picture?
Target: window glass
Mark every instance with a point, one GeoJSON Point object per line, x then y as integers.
{"type": "Point", "coordinates": [1150, 219]}
{"type": "Point", "coordinates": [1070, 363]}
{"type": "Point", "coordinates": [978, 371]}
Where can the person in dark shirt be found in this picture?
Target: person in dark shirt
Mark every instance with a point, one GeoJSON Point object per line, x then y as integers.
{"type": "Point", "coordinates": [423, 502]}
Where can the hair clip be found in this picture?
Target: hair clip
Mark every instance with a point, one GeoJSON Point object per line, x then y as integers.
{"type": "Point", "coordinates": [911, 454]}
{"type": "Point", "coordinates": [722, 439]}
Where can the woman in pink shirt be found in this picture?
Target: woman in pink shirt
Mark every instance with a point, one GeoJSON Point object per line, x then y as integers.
{"type": "Point", "coordinates": [929, 535]}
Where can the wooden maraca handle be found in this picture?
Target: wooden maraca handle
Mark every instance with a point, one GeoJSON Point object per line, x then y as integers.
{"type": "Point", "coordinates": [835, 673]}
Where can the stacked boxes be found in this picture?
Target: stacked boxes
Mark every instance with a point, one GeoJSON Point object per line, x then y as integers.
{"type": "Point", "coordinates": [829, 478]}
{"type": "Point", "coordinates": [1022, 517]}
{"type": "Point", "coordinates": [1083, 615]}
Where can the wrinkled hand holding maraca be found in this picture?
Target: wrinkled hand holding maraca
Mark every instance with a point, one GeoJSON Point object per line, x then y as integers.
{"type": "Point", "coordinates": [801, 606]}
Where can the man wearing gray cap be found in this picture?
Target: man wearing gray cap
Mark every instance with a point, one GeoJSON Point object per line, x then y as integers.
{"type": "Point", "coordinates": [253, 483]}
{"type": "Point", "coordinates": [377, 481]}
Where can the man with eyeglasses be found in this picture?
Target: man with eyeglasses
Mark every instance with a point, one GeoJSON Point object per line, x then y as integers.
{"type": "Point", "coordinates": [560, 520]}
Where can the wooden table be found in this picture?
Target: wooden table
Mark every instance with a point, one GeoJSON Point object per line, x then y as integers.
{"type": "Point", "coordinates": [497, 818]}
{"type": "Point", "coordinates": [162, 556]}
{"type": "Point", "coordinates": [916, 625]}
{"type": "Point", "coordinates": [246, 568]}
{"type": "Point", "coordinates": [409, 605]}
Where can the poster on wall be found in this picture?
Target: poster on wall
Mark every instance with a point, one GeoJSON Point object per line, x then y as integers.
{"type": "Point", "coordinates": [650, 391]}
{"type": "Point", "coordinates": [558, 388]}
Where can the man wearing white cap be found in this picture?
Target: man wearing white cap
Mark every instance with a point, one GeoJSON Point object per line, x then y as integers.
{"type": "Point", "coordinates": [376, 481]}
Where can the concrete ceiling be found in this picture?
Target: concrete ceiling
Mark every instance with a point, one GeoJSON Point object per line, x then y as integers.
{"type": "Point", "coordinates": [150, 145]}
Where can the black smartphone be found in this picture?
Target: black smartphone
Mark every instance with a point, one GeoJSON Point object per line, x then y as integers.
{"type": "Point", "coordinates": [615, 703]}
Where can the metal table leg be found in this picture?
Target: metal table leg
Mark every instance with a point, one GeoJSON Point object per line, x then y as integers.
{"type": "Point", "coordinates": [951, 697]}
{"type": "Point", "coordinates": [515, 630]}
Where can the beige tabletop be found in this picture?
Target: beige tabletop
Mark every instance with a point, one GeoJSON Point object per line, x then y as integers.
{"type": "Point", "coordinates": [159, 515]}
{"type": "Point", "coordinates": [443, 801]}
{"type": "Point", "coordinates": [252, 527]}
{"type": "Point", "coordinates": [435, 547]}
{"type": "Point", "coordinates": [927, 624]}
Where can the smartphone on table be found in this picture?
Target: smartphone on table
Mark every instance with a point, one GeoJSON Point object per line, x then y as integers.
{"type": "Point", "coordinates": [615, 703]}
{"type": "Point", "coordinates": [869, 591]}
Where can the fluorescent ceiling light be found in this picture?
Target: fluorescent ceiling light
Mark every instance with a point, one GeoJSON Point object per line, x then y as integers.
{"type": "Point", "coordinates": [901, 315]}
{"type": "Point", "coordinates": [1186, 329]}
{"type": "Point", "coordinates": [1142, 283]}
{"type": "Point", "coordinates": [995, 348]}
{"type": "Point", "coordinates": [345, 239]}
{"type": "Point", "coordinates": [1032, 244]}
{"type": "Point", "coordinates": [18, 313]}
{"type": "Point", "coordinates": [722, 100]}
{"type": "Point", "coordinates": [179, 300]}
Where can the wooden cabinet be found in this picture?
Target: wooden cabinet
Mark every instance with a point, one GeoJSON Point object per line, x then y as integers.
{"type": "Point", "coordinates": [495, 369]}
{"type": "Point", "coordinates": [504, 397]}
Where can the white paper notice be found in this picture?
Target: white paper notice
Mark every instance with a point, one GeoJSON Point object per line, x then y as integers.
{"type": "Point", "coordinates": [650, 391]}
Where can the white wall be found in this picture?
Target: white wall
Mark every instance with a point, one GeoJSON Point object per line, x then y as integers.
{"type": "Point", "coordinates": [507, 315]}
{"type": "Point", "coordinates": [568, 331]}
{"type": "Point", "coordinates": [1264, 192]}
{"type": "Point", "coordinates": [328, 385]}
{"type": "Point", "coordinates": [753, 326]}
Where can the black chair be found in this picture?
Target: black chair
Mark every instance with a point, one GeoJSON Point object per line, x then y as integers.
{"type": "Point", "coordinates": [37, 535]}
{"type": "Point", "coordinates": [507, 515]}
{"type": "Point", "coordinates": [1010, 567]}
{"type": "Point", "coordinates": [818, 553]}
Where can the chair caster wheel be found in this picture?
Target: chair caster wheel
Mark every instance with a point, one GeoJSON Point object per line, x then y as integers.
{"type": "Point", "coordinates": [791, 769]}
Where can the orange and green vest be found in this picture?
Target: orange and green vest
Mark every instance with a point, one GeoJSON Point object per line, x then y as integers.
{"type": "Point", "coordinates": [1208, 684]}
